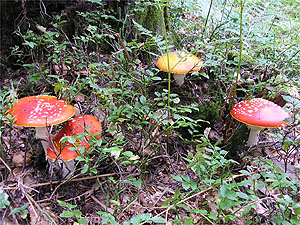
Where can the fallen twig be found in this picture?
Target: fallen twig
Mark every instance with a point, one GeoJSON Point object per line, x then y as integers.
{"type": "Point", "coordinates": [66, 180]}
{"type": "Point", "coordinates": [102, 205]}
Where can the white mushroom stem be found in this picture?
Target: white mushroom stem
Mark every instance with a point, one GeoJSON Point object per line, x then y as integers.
{"type": "Point", "coordinates": [68, 168]}
{"type": "Point", "coordinates": [42, 134]}
{"type": "Point", "coordinates": [253, 136]}
{"type": "Point", "coordinates": [179, 78]}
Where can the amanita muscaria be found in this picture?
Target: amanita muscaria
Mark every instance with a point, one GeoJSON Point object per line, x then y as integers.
{"type": "Point", "coordinates": [61, 151]}
{"type": "Point", "coordinates": [259, 113]}
{"type": "Point", "coordinates": [40, 112]}
{"type": "Point", "coordinates": [180, 64]}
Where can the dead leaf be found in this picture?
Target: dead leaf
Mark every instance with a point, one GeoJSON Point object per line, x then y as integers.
{"type": "Point", "coordinates": [79, 97]}
{"type": "Point", "coordinates": [61, 69]}
{"type": "Point", "coordinates": [26, 178]}
{"type": "Point", "coordinates": [18, 158]}
{"type": "Point", "coordinates": [100, 114]}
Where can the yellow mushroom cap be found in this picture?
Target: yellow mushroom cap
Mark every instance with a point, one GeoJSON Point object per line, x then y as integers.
{"type": "Point", "coordinates": [180, 62]}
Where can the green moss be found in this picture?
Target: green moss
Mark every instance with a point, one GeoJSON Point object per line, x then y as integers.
{"type": "Point", "coordinates": [150, 18]}
{"type": "Point", "coordinates": [282, 83]}
{"type": "Point", "coordinates": [208, 111]}
{"type": "Point", "coordinates": [233, 55]}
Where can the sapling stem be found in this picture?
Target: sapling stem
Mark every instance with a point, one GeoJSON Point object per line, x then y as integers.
{"type": "Point", "coordinates": [169, 70]}
{"type": "Point", "coordinates": [240, 54]}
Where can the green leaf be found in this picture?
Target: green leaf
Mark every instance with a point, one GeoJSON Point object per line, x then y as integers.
{"type": "Point", "coordinates": [166, 203]}
{"type": "Point", "coordinates": [85, 168]}
{"type": "Point", "coordinates": [200, 211]}
{"type": "Point", "coordinates": [70, 206]}
{"type": "Point", "coordinates": [62, 203]}
{"type": "Point", "coordinates": [212, 215]}
{"type": "Point", "coordinates": [114, 151]}
{"type": "Point", "coordinates": [115, 202]}
{"type": "Point", "coordinates": [143, 99]}
{"type": "Point", "coordinates": [57, 87]}
{"type": "Point", "coordinates": [177, 194]}
{"type": "Point", "coordinates": [94, 171]}
{"type": "Point", "coordinates": [246, 183]}
{"type": "Point", "coordinates": [17, 210]}
{"type": "Point", "coordinates": [72, 139]}
{"type": "Point", "coordinates": [156, 78]}
{"type": "Point", "coordinates": [231, 195]}
{"type": "Point", "coordinates": [96, 1]}
{"type": "Point", "coordinates": [107, 218]}
{"type": "Point", "coordinates": [186, 185]}
{"type": "Point", "coordinates": [225, 204]}
{"type": "Point", "coordinates": [3, 200]}
{"type": "Point", "coordinates": [128, 153]}
{"type": "Point", "coordinates": [177, 178]}
{"type": "Point", "coordinates": [135, 157]}
{"type": "Point", "coordinates": [193, 185]}
{"type": "Point", "coordinates": [77, 213]}
{"type": "Point", "coordinates": [82, 221]}
{"type": "Point", "coordinates": [176, 100]}
{"type": "Point", "coordinates": [245, 172]}
{"type": "Point", "coordinates": [186, 178]}
{"type": "Point", "coordinates": [288, 98]}
{"type": "Point", "coordinates": [125, 162]}
{"type": "Point", "coordinates": [30, 44]}
{"type": "Point", "coordinates": [158, 220]}
{"type": "Point", "coordinates": [140, 218]}
{"type": "Point", "coordinates": [66, 214]}
{"type": "Point", "coordinates": [35, 77]}
{"type": "Point", "coordinates": [255, 176]}
{"type": "Point", "coordinates": [223, 190]}
{"type": "Point", "coordinates": [242, 195]}
{"type": "Point", "coordinates": [137, 183]}
{"type": "Point", "coordinates": [24, 214]}
{"type": "Point", "coordinates": [182, 206]}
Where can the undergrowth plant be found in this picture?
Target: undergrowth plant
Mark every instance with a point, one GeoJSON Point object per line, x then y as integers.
{"type": "Point", "coordinates": [72, 212]}
{"type": "Point", "coordinates": [6, 97]}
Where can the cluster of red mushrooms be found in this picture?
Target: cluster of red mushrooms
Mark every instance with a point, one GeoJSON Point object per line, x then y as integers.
{"type": "Point", "coordinates": [42, 111]}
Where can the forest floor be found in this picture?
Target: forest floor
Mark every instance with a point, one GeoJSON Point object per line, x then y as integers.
{"type": "Point", "coordinates": [27, 179]}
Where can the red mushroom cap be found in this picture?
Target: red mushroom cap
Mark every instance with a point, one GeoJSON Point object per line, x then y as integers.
{"type": "Point", "coordinates": [260, 112]}
{"type": "Point", "coordinates": [40, 111]}
{"type": "Point", "coordinates": [73, 127]}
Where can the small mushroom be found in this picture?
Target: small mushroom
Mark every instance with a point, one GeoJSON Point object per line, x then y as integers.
{"type": "Point", "coordinates": [180, 64]}
{"type": "Point", "coordinates": [61, 152]}
{"type": "Point", "coordinates": [259, 113]}
{"type": "Point", "coordinates": [40, 112]}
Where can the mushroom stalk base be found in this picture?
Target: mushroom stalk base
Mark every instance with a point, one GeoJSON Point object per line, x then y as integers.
{"type": "Point", "coordinates": [253, 136]}
{"type": "Point", "coordinates": [42, 134]}
{"type": "Point", "coordinates": [68, 168]}
{"type": "Point", "coordinates": [179, 78]}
